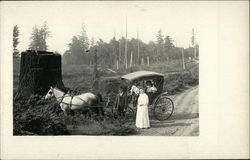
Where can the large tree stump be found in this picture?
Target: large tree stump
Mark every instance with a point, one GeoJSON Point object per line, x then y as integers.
{"type": "Point", "coordinates": [38, 71]}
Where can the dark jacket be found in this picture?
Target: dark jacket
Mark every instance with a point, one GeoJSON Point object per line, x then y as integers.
{"type": "Point", "coordinates": [121, 102]}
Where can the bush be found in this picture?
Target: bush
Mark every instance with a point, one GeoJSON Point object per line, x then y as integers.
{"type": "Point", "coordinates": [174, 82]}
{"type": "Point", "coordinates": [36, 116]}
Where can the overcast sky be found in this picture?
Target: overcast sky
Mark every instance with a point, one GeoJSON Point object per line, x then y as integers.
{"type": "Point", "coordinates": [103, 19]}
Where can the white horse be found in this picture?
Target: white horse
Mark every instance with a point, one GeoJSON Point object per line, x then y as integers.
{"type": "Point", "coordinates": [85, 101]}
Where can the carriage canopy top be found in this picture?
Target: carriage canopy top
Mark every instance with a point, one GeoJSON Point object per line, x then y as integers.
{"type": "Point", "coordinates": [141, 75]}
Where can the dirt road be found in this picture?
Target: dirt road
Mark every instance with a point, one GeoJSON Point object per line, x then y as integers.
{"type": "Point", "coordinates": [183, 122]}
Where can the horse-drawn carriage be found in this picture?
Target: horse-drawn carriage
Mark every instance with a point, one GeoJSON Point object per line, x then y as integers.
{"type": "Point", "coordinates": [108, 87]}
{"type": "Point", "coordinates": [161, 105]}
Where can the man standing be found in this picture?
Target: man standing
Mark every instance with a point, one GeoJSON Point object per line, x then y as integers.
{"type": "Point", "coordinates": [121, 101]}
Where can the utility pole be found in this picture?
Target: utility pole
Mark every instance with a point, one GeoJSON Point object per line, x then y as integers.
{"type": "Point", "coordinates": [183, 61]}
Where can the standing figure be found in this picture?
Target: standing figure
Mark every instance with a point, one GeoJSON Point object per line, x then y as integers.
{"type": "Point", "coordinates": [142, 117]}
{"type": "Point", "coordinates": [150, 90]}
{"type": "Point", "coordinates": [121, 101]}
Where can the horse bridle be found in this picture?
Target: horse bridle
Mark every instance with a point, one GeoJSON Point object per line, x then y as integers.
{"type": "Point", "coordinates": [62, 97]}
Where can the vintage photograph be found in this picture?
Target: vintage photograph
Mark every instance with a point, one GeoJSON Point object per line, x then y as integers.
{"type": "Point", "coordinates": [105, 69]}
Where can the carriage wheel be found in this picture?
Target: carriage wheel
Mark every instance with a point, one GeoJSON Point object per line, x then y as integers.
{"type": "Point", "coordinates": [163, 108]}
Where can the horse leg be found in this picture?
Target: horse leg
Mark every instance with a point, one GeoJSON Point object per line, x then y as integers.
{"type": "Point", "coordinates": [73, 121]}
{"type": "Point", "coordinates": [65, 109]}
{"type": "Point", "coordinates": [100, 112]}
{"type": "Point", "coordinates": [90, 112]}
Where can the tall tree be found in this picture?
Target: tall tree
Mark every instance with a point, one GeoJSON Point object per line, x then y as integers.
{"type": "Point", "coordinates": [168, 46]}
{"type": "Point", "coordinates": [15, 40]}
{"type": "Point", "coordinates": [160, 43]}
{"type": "Point", "coordinates": [44, 33]}
{"type": "Point", "coordinates": [115, 50]}
{"type": "Point", "coordinates": [84, 41]}
{"type": "Point", "coordinates": [92, 42]}
{"type": "Point", "coordinates": [152, 48]}
{"type": "Point", "coordinates": [192, 38]}
{"type": "Point", "coordinates": [79, 44]}
{"type": "Point", "coordinates": [35, 39]}
{"type": "Point", "coordinates": [38, 38]}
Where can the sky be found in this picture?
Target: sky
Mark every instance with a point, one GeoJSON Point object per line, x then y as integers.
{"type": "Point", "coordinates": [104, 19]}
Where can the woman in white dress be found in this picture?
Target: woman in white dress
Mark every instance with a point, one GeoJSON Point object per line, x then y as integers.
{"type": "Point", "coordinates": [142, 117]}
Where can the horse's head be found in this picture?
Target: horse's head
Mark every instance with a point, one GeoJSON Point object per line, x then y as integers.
{"type": "Point", "coordinates": [50, 93]}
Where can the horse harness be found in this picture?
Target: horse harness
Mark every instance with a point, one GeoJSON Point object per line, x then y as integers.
{"type": "Point", "coordinates": [70, 104]}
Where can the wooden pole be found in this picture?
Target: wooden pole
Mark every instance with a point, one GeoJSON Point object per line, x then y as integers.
{"type": "Point", "coordinates": [126, 45]}
{"type": "Point", "coordinates": [138, 48]}
{"type": "Point", "coordinates": [120, 51]}
{"type": "Point", "coordinates": [148, 60]}
{"type": "Point", "coordinates": [117, 64]}
{"type": "Point", "coordinates": [194, 51]}
{"type": "Point", "coordinates": [95, 67]}
{"type": "Point", "coordinates": [131, 59]}
{"type": "Point", "coordinates": [183, 59]}
{"type": "Point", "coordinates": [142, 61]}
{"type": "Point", "coordinates": [193, 42]}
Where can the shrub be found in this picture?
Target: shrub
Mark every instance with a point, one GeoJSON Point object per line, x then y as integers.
{"type": "Point", "coordinates": [36, 116]}
{"type": "Point", "coordinates": [174, 82]}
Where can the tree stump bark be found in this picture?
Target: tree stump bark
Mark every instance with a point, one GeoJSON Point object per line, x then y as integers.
{"type": "Point", "coordinates": [38, 71]}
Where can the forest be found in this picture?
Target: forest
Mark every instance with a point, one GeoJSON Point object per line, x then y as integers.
{"type": "Point", "coordinates": [117, 53]}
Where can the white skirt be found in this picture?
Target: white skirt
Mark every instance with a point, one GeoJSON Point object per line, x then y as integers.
{"type": "Point", "coordinates": [142, 118]}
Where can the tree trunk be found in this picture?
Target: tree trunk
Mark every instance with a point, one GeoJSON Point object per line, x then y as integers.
{"type": "Point", "coordinates": [38, 71]}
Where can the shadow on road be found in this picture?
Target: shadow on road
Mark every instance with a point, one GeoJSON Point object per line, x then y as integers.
{"type": "Point", "coordinates": [162, 124]}
{"type": "Point", "coordinates": [179, 116]}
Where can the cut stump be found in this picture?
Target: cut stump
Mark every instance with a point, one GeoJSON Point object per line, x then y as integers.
{"type": "Point", "coordinates": [38, 71]}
